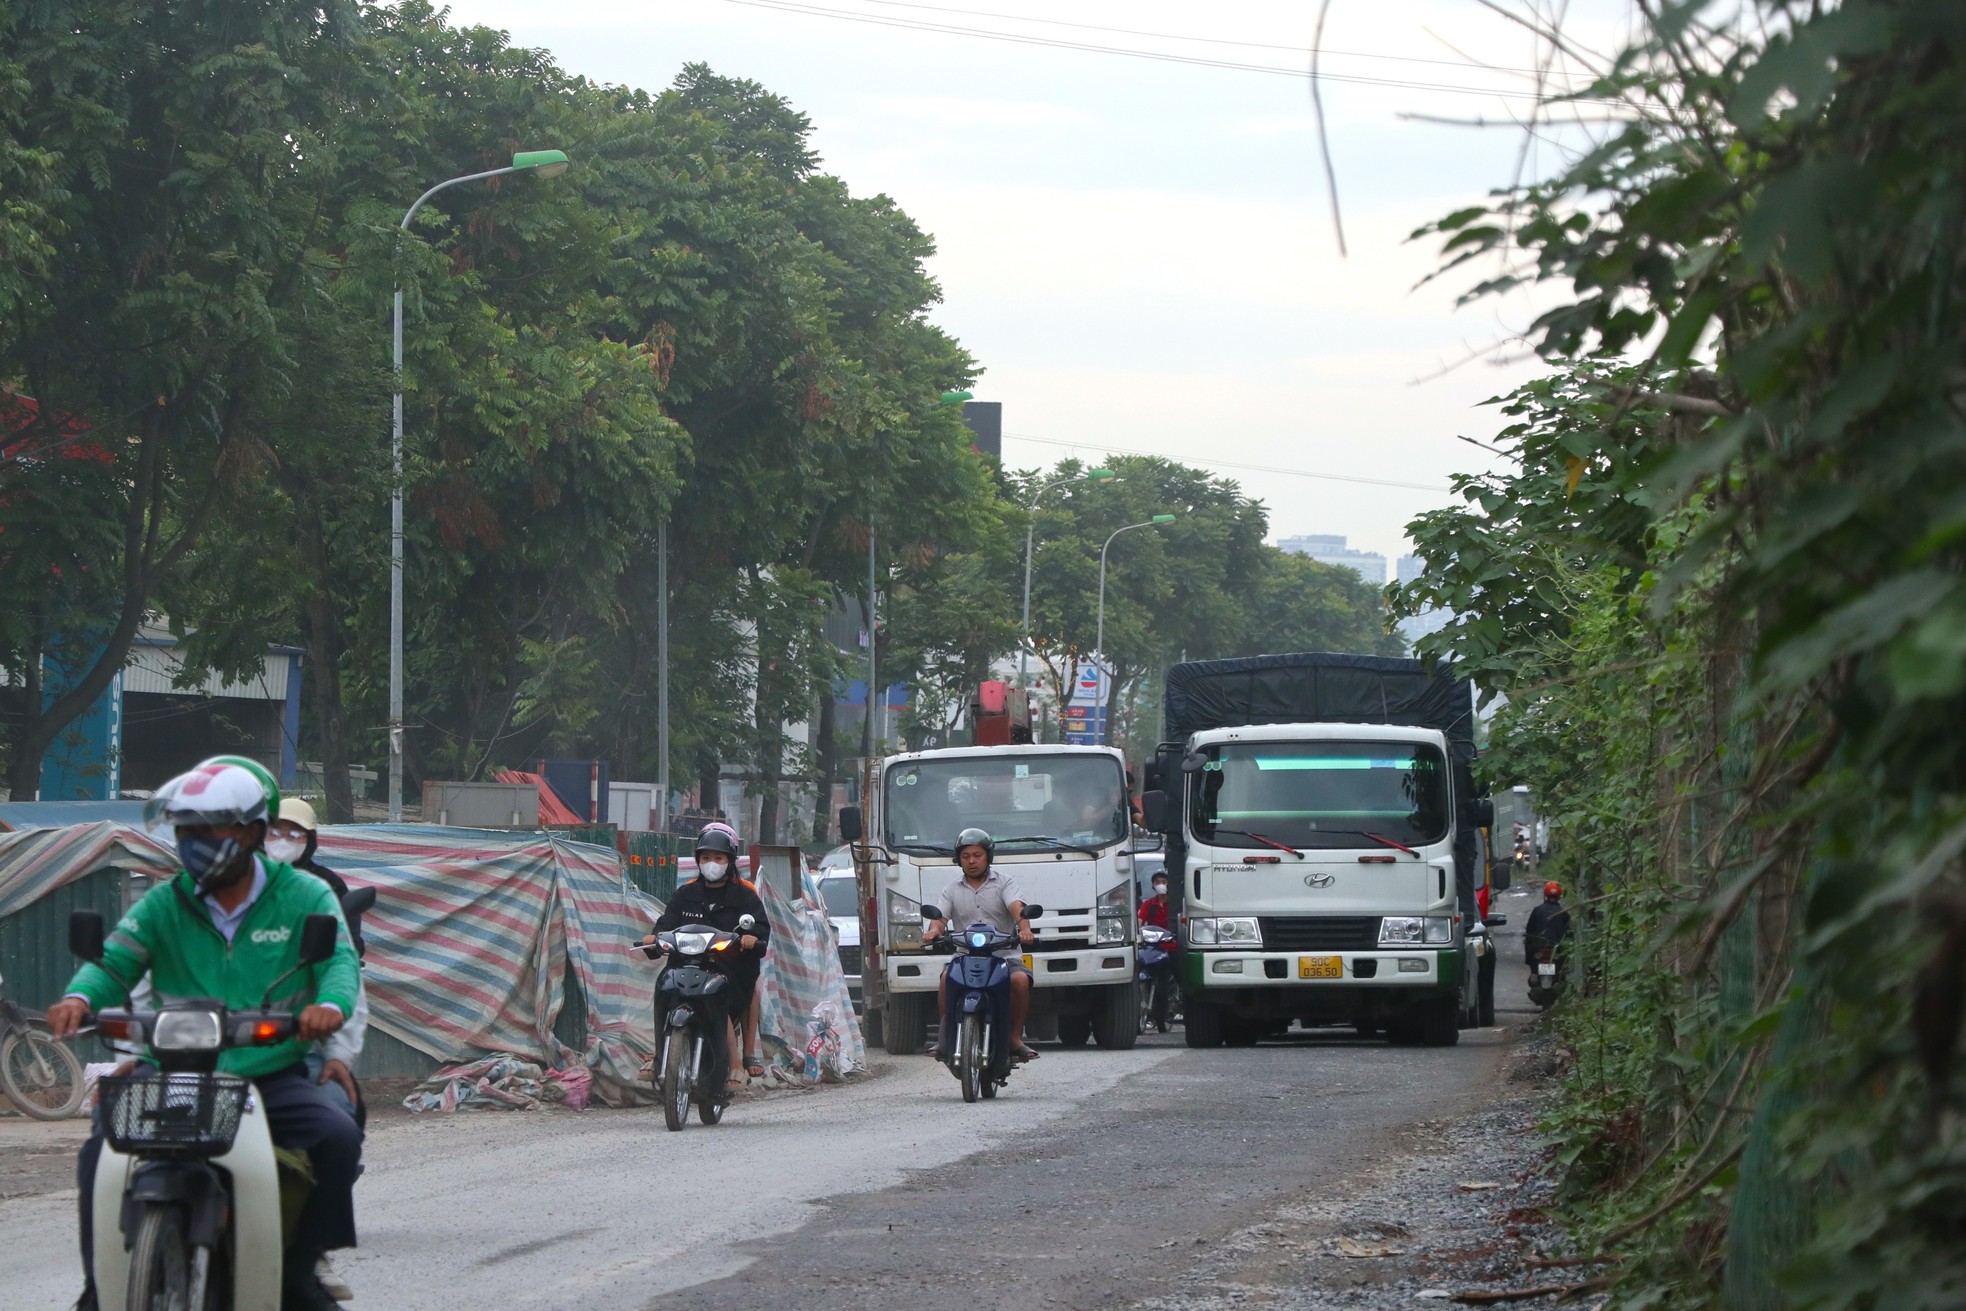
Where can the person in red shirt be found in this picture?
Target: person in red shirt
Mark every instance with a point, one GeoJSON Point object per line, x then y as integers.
{"type": "Point", "coordinates": [1154, 909]}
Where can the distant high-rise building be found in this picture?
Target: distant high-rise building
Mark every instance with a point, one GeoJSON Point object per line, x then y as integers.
{"type": "Point", "coordinates": [1328, 548]}
{"type": "Point", "coordinates": [1411, 567]}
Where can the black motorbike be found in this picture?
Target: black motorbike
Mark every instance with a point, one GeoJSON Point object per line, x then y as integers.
{"type": "Point", "coordinates": [1158, 992]}
{"type": "Point", "coordinates": [1547, 975]}
{"type": "Point", "coordinates": [693, 1021]}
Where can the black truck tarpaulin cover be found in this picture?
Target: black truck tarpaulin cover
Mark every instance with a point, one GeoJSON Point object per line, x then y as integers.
{"type": "Point", "coordinates": [1319, 687]}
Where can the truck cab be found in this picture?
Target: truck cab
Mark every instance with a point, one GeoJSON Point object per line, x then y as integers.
{"type": "Point", "coordinates": [1320, 882]}
{"type": "Point", "coordinates": [1059, 817]}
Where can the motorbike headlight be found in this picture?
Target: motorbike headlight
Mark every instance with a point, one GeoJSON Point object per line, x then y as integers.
{"type": "Point", "coordinates": [904, 923]}
{"type": "Point", "coordinates": [694, 944]}
{"type": "Point", "coordinates": [1396, 929]}
{"type": "Point", "coordinates": [1241, 932]}
{"type": "Point", "coordinates": [1439, 930]}
{"type": "Point", "coordinates": [187, 1031]}
{"type": "Point", "coordinates": [979, 940]}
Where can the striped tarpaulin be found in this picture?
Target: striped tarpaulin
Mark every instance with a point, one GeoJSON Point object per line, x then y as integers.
{"type": "Point", "coordinates": [473, 935]}
{"type": "Point", "coordinates": [36, 861]}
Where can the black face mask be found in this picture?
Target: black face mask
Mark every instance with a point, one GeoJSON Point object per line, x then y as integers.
{"type": "Point", "coordinates": [214, 863]}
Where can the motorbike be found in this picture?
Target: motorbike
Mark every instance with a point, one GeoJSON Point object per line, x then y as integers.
{"type": "Point", "coordinates": [1547, 976]}
{"type": "Point", "coordinates": [690, 1016]}
{"type": "Point", "coordinates": [187, 1175]}
{"type": "Point", "coordinates": [40, 1076]}
{"type": "Point", "coordinates": [1157, 991]}
{"type": "Point", "coordinates": [976, 989]}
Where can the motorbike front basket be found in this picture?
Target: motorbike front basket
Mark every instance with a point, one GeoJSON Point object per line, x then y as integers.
{"type": "Point", "coordinates": [195, 1114]}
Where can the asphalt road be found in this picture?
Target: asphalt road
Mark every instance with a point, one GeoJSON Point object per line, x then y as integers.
{"type": "Point", "coordinates": [1092, 1181]}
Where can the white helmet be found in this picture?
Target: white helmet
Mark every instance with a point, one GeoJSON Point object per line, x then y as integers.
{"type": "Point", "coordinates": [211, 793]}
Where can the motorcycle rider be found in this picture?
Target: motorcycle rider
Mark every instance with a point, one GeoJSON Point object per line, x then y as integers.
{"type": "Point", "coordinates": [716, 897]}
{"type": "Point", "coordinates": [293, 838]}
{"type": "Point", "coordinates": [1154, 913]}
{"type": "Point", "coordinates": [227, 926]}
{"type": "Point", "coordinates": [1154, 909]}
{"type": "Point", "coordinates": [1548, 923]}
{"type": "Point", "coordinates": [985, 894]}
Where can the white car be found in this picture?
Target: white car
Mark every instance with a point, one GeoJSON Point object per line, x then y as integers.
{"type": "Point", "coordinates": [842, 897]}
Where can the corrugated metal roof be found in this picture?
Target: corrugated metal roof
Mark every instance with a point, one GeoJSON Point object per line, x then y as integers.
{"type": "Point", "coordinates": [154, 667]}
{"type": "Point", "coordinates": [18, 815]}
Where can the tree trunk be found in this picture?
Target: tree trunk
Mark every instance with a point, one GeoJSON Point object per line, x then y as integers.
{"type": "Point", "coordinates": [829, 767]}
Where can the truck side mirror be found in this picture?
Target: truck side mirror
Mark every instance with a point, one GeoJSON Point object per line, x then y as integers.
{"type": "Point", "coordinates": [1153, 810]}
{"type": "Point", "coordinates": [85, 936]}
{"type": "Point", "coordinates": [1485, 813]}
{"type": "Point", "coordinates": [852, 826]}
{"type": "Point", "coordinates": [317, 937]}
{"type": "Point", "coordinates": [1497, 920]}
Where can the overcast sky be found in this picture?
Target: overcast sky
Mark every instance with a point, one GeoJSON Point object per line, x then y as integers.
{"type": "Point", "coordinates": [1140, 252]}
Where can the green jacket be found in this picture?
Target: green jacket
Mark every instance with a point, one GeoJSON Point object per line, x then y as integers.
{"type": "Point", "coordinates": [170, 936]}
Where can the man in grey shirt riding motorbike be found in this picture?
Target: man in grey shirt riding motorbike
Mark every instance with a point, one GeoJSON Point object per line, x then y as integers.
{"type": "Point", "coordinates": [986, 895]}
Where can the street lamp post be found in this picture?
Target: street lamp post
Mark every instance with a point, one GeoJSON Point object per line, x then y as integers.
{"type": "Point", "coordinates": [1030, 537]}
{"type": "Point", "coordinates": [541, 163]}
{"type": "Point", "coordinates": [1099, 640]}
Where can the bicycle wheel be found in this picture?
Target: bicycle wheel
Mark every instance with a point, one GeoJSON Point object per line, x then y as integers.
{"type": "Point", "coordinates": [972, 1056]}
{"type": "Point", "coordinates": [160, 1261]}
{"type": "Point", "coordinates": [678, 1083]}
{"type": "Point", "coordinates": [40, 1076]}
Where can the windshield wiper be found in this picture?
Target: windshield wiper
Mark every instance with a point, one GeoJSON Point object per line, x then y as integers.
{"type": "Point", "coordinates": [930, 848]}
{"type": "Point", "coordinates": [1262, 838]}
{"type": "Point", "coordinates": [1057, 844]}
{"type": "Point", "coordinates": [1361, 833]}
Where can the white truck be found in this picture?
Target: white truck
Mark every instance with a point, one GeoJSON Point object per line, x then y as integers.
{"type": "Point", "coordinates": [1060, 820]}
{"type": "Point", "coordinates": [1322, 838]}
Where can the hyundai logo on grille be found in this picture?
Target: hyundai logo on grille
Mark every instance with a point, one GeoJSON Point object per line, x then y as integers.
{"type": "Point", "coordinates": [1320, 880]}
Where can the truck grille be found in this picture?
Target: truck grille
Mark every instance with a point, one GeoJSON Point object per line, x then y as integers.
{"type": "Point", "coordinates": [849, 961]}
{"type": "Point", "coordinates": [1320, 932]}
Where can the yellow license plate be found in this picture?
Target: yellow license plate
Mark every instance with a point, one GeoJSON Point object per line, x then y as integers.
{"type": "Point", "coordinates": [1027, 963]}
{"type": "Point", "coordinates": [1320, 967]}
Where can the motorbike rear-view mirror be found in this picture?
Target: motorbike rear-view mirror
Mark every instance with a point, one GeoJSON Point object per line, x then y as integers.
{"type": "Point", "coordinates": [357, 901]}
{"type": "Point", "coordinates": [85, 935]}
{"type": "Point", "coordinates": [931, 911]}
{"type": "Point", "coordinates": [745, 923]}
{"type": "Point", "coordinates": [1498, 921]}
{"type": "Point", "coordinates": [317, 937]}
{"type": "Point", "coordinates": [1033, 912]}
{"type": "Point", "coordinates": [852, 825]}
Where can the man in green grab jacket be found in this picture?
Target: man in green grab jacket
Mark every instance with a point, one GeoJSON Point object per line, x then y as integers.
{"type": "Point", "coordinates": [226, 926]}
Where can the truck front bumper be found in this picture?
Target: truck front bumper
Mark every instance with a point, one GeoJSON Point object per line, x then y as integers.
{"type": "Point", "coordinates": [1089, 967]}
{"type": "Point", "coordinates": [1410, 969]}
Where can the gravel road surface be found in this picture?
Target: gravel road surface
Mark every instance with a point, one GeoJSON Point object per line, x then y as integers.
{"type": "Point", "coordinates": [1096, 1179]}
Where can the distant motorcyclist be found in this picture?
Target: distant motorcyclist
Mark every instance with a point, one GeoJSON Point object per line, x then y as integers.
{"type": "Point", "coordinates": [986, 895]}
{"type": "Point", "coordinates": [718, 898]}
{"type": "Point", "coordinates": [1154, 909]}
{"type": "Point", "coordinates": [227, 926]}
{"type": "Point", "coordinates": [1548, 923]}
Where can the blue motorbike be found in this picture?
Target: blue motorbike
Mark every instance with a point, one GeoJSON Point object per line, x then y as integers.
{"type": "Point", "coordinates": [976, 990]}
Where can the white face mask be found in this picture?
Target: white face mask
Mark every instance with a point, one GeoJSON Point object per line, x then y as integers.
{"type": "Point", "coordinates": [1160, 889]}
{"type": "Point", "coordinates": [713, 871]}
{"type": "Point", "coordinates": [285, 850]}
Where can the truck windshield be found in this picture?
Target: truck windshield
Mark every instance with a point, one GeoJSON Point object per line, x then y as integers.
{"type": "Point", "coordinates": [1032, 801]}
{"type": "Point", "coordinates": [1320, 794]}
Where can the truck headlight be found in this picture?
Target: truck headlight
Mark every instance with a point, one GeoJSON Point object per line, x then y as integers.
{"type": "Point", "coordinates": [904, 923]}
{"type": "Point", "coordinates": [1439, 930]}
{"type": "Point", "coordinates": [1115, 909]}
{"type": "Point", "coordinates": [1224, 931]}
{"type": "Point", "coordinates": [1395, 929]}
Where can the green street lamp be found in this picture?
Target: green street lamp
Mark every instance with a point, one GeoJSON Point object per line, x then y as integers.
{"type": "Point", "coordinates": [1099, 641]}
{"type": "Point", "coordinates": [1030, 531]}
{"type": "Point", "coordinates": [541, 163]}
{"type": "Point", "coordinates": [957, 397]}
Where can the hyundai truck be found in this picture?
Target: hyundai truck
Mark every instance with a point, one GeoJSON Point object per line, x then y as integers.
{"type": "Point", "coordinates": [1321, 831]}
